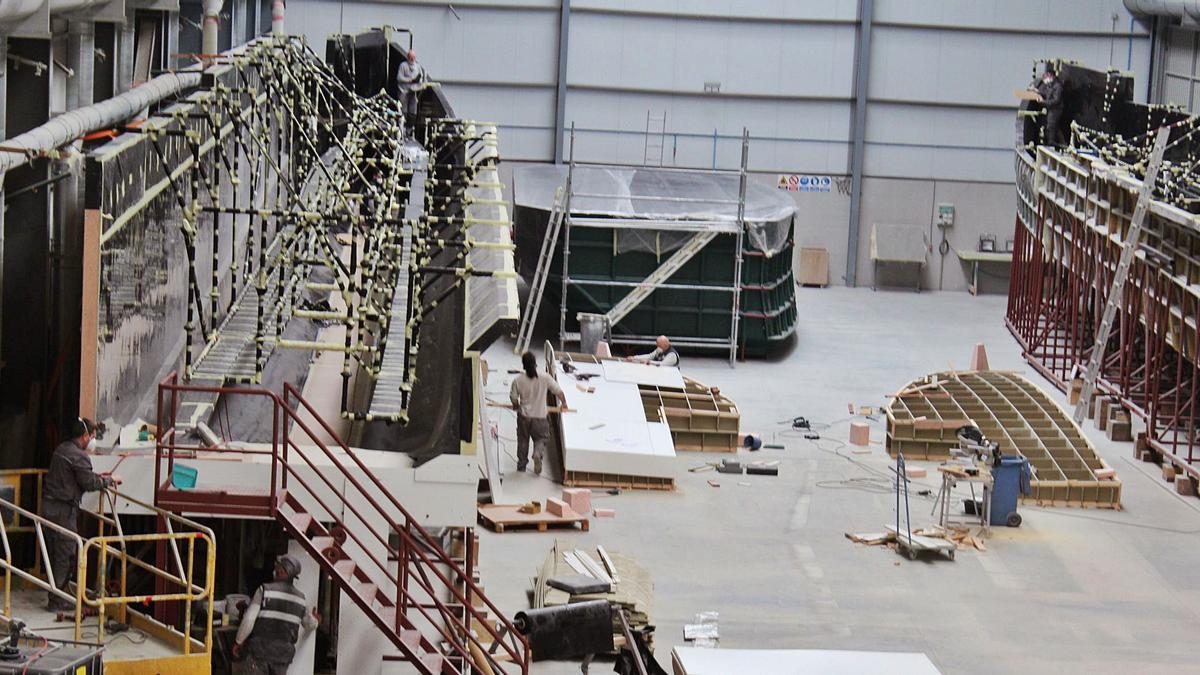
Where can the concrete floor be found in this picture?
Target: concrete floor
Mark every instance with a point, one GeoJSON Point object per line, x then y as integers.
{"type": "Point", "coordinates": [1069, 591]}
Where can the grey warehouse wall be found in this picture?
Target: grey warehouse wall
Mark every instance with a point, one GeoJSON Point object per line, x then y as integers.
{"type": "Point", "coordinates": [940, 110]}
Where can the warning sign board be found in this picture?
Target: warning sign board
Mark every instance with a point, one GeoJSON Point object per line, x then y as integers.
{"type": "Point", "coordinates": [798, 182]}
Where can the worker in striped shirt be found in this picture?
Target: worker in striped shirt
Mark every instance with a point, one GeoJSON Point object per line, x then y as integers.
{"type": "Point", "coordinates": [272, 622]}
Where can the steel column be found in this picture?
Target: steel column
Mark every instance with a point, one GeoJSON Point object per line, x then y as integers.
{"type": "Point", "coordinates": [560, 98]}
{"type": "Point", "coordinates": [862, 69]}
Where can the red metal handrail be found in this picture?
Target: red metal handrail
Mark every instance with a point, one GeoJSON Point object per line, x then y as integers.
{"type": "Point", "coordinates": [415, 541]}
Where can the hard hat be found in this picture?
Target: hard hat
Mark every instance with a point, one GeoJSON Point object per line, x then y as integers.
{"type": "Point", "coordinates": [291, 566]}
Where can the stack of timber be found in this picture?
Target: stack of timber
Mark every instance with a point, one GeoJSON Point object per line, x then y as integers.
{"type": "Point", "coordinates": [1012, 411]}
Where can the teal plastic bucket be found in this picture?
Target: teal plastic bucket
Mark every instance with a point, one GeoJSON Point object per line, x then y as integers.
{"type": "Point", "coordinates": [183, 477]}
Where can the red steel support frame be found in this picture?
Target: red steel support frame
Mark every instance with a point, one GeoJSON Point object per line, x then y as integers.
{"type": "Point", "coordinates": [1061, 272]}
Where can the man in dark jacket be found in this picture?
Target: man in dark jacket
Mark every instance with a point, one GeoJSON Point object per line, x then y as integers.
{"type": "Point", "coordinates": [272, 622]}
{"type": "Point", "coordinates": [70, 475]}
{"type": "Point", "coordinates": [1051, 91]}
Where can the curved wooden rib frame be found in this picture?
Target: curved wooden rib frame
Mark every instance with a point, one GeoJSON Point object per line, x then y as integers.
{"type": "Point", "coordinates": [1008, 409]}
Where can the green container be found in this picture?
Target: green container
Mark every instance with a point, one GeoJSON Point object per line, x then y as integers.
{"type": "Point", "coordinates": [183, 477]}
{"type": "Point", "coordinates": [768, 312]}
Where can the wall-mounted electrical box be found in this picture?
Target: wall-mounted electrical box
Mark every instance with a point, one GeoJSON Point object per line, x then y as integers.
{"type": "Point", "coordinates": [945, 216]}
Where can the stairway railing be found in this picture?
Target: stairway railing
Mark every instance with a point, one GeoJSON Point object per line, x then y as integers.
{"type": "Point", "coordinates": [425, 573]}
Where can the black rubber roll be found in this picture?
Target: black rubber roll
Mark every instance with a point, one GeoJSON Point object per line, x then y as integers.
{"type": "Point", "coordinates": [568, 631]}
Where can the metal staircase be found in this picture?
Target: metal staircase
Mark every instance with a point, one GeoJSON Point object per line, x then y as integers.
{"type": "Point", "coordinates": [420, 598]}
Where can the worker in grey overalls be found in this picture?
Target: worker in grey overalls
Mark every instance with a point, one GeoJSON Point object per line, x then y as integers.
{"type": "Point", "coordinates": [69, 476]}
{"type": "Point", "coordinates": [271, 625]}
{"type": "Point", "coordinates": [409, 80]}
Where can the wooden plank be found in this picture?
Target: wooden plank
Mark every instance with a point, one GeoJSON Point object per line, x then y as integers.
{"type": "Point", "coordinates": [90, 314]}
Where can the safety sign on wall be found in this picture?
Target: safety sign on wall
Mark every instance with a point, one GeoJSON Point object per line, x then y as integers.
{"type": "Point", "coordinates": [795, 182]}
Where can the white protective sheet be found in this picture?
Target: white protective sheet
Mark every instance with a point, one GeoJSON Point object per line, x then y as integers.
{"type": "Point", "coordinates": [639, 192]}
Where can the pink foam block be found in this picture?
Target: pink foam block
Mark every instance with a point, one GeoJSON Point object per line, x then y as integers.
{"type": "Point", "coordinates": [1105, 474]}
{"type": "Point", "coordinates": [580, 499]}
{"type": "Point", "coordinates": [604, 513]}
{"type": "Point", "coordinates": [558, 507]}
{"type": "Point", "coordinates": [860, 433]}
{"type": "Point", "coordinates": [915, 472]}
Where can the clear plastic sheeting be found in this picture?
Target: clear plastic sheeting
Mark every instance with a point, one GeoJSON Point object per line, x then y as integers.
{"type": "Point", "coordinates": [657, 195]}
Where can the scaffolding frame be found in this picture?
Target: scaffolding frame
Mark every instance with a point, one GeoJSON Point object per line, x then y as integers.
{"type": "Point", "coordinates": [737, 228]}
{"type": "Point", "coordinates": [329, 178]}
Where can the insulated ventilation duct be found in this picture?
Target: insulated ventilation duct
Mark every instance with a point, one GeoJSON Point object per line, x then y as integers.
{"type": "Point", "coordinates": [1180, 9]}
{"type": "Point", "coordinates": [72, 125]}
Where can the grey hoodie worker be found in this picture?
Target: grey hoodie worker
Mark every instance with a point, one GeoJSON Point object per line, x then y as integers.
{"type": "Point", "coordinates": [70, 475]}
{"type": "Point", "coordinates": [272, 622]}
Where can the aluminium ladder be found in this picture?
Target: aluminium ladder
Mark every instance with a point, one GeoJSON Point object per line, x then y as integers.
{"type": "Point", "coordinates": [1116, 291]}
{"type": "Point", "coordinates": [659, 142]}
{"type": "Point", "coordinates": [537, 285]}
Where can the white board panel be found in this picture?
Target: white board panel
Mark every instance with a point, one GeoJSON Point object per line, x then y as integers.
{"type": "Point", "coordinates": [608, 431]}
{"type": "Point", "coordinates": [643, 373]}
{"type": "Point", "coordinates": [700, 661]}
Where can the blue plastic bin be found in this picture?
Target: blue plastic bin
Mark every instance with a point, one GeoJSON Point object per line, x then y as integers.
{"type": "Point", "coordinates": [1011, 480]}
{"type": "Point", "coordinates": [183, 477]}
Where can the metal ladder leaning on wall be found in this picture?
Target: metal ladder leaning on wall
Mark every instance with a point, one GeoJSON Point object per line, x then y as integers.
{"type": "Point", "coordinates": [1128, 252]}
{"type": "Point", "coordinates": [656, 128]}
{"type": "Point", "coordinates": [537, 285]}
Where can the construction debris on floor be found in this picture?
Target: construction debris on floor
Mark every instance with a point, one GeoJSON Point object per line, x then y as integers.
{"type": "Point", "coordinates": [703, 631]}
{"type": "Point", "coordinates": [962, 537]}
{"type": "Point", "coordinates": [630, 587]}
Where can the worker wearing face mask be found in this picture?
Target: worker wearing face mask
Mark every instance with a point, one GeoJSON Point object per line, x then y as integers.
{"type": "Point", "coordinates": [69, 476]}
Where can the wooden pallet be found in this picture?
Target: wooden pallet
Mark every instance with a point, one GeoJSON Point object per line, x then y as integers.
{"type": "Point", "coordinates": [591, 479]}
{"type": "Point", "coordinates": [502, 517]}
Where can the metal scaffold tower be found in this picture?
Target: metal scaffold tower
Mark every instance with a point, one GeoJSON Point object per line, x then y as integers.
{"type": "Point", "coordinates": [699, 232]}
